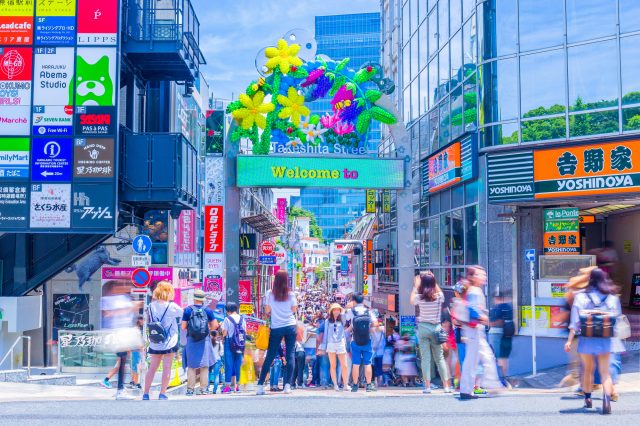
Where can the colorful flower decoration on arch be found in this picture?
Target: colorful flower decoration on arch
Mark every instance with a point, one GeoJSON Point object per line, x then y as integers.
{"type": "Point", "coordinates": [275, 109]}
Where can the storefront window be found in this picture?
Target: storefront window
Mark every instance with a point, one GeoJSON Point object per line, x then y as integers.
{"type": "Point", "coordinates": [542, 84]}
{"type": "Point", "coordinates": [630, 63]}
{"type": "Point", "coordinates": [457, 238]}
{"type": "Point", "coordinates": [501, 134]}
{"type": "Point", "coordinates": [629, 15]}
{"type": "Point", "coordinates": [589, 19]}
{"type": "Point", "coordinates": [545, 129]}
{"type": "Point", "coordinates": [593, 123]}
{"type": "Point", "coordinates": [445, 236]}
{"type": "Point", "coordinates": [593, 76]}
{"type": "Point", "coordinates": [434, 241]}
{"type": "Point", "coordinates": [471, 234]}
{"type": "Point", "coordinates": [541, 24]}
{"type": "Point", "coordinates": [499, 84]}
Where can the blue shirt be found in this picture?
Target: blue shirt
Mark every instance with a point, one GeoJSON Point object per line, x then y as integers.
{"type": "Point", "coordinates": [188, 311]}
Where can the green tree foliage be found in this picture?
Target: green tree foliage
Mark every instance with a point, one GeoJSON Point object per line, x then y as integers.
{"type": "Point", "coordinates": [314, 229]}
{"type": "Point", "coordinates": [320, 272]}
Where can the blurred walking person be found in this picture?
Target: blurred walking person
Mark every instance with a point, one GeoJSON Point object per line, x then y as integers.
{"type": "Point", "coordinates": [234, 330]}
{"type": "Point", "coordinates": [334, 343]}
{"type": "Point", "coordinates": [428, 299]}
{"type": "Point", "coordinates": [198, 321]}
{"type": "Point", "coordinates": [281, 305]}
{"type": "Point", "coordinates": [501, 333]}
{"type": "Point", "coordinates": [163, 333]}
{"type": "Point", "coordinates": [597, 304]}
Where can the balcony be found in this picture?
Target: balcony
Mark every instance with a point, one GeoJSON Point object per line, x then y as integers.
{"type": "Point", "coordinates": [161, 38]}
{"type": "Point", "coordinates": [158, 171]}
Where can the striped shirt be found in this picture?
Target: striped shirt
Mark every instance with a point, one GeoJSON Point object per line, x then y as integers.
{"type": "Point", "coordinates": [428, 311]}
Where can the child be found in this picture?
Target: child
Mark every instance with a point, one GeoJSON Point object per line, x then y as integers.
{"type": "Point", "coordinates": [215, 371]}
{"type": "Point", "coordinates": [387, 363]}
{"type": "Point", "coordinates": [451, 349]}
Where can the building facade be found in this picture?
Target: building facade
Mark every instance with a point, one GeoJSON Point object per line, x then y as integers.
{"type": "Point", "coordinates": [515, 107]}
{"type": "Point", "coordinates": [357, 37]}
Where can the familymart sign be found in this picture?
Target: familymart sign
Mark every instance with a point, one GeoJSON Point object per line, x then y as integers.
{"type": "Point", "coordinates": [321, 172]}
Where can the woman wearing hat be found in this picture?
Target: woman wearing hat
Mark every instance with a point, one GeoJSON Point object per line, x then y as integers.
{"type": "Point", "coordinates": [199, 349]}
{"type": "Point", "coordinates": [334, 343]}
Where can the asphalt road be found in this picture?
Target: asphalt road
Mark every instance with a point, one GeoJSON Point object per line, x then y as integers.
{"type": "Point", "coordinates": [343, 408]}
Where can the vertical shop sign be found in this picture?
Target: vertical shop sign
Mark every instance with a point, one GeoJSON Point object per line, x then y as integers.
{"type": "Point", "coordinates": [16, 22]}
{"type": "Point", "coordinates": [561, 231]}
{"type": "Point", "coordinates": [244, 291]}
{"type": "Point", "coordinates": [95, 77]}
{"type": "Point", "coordinates": [386, 201]}
{"type": "Point", "coordinates": [215, 180]}
{"type": "Point", "coordinates": [282, 210]}
{"type": "Point", "coordinates": [14, 209]}
{"type": "Point", "coordinates": [215, 132]}
{"type": "Point", "coordinates": [15, 90]}
{"type": "Point", "coordinates": [97, 22]}
{"type": "Point", "coordinates": [55, 22]}
{"type": "Point", "coordinates": [92, 207]}
{"type": "Point", "coordinates": [213, 229]}
{"type": "Point", "coordinates": [14, 158]}
{"type": "Point", "coordinates": [371, 201]}
{"type": "Point", "coordinates": [50, 205]}
{"type": "Point", "coordinates": [51, 159]}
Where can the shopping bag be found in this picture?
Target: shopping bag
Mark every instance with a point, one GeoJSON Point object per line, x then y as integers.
{"type": "Point", "coordinates": [262, 337]}
{"type": "Point", "coordinates": [247, 371]}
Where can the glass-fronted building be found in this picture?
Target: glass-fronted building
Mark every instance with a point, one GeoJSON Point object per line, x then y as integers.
{"type": "Point", "coordinates": [514, 107]}
{"type": "Point", "coordinates": [357, 37]}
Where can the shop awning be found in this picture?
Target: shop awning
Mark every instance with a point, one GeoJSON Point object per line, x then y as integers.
{"type": "Point", "coordinates": [265, 223]}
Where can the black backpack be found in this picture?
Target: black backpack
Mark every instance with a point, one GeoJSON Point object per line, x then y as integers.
{"type": "Point", "coordinates": [239, 336]}
{"type": "Point", "coordinates": [361, 324]}
{"type": "Point", "coordinates": [508, 326]}
{"type": "Point", "coordinates": [156, 332]}
{"type": "Point", "coordinates": [198, 324]}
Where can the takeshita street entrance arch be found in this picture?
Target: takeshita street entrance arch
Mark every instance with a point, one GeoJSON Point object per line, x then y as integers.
{"type": "Point", "coordinates": [273, 114]}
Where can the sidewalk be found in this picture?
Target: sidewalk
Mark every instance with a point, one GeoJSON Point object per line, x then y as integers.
{"type": "Point", "coordinates": [629, 380]}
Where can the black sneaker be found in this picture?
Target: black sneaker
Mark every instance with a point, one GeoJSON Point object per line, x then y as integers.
{"type": "Point", "coordinates": [371, 387]}
{"type": "Point", "coordinates": [466, 396]}
{"type": "Point", "coordinates": [189, 392]}
{"type": "Point", "coordinates": [354, 388]}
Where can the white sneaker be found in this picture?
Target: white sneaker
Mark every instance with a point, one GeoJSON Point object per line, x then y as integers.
{"type": "Point", "coordinates": [336, 388]}
{"type": "Point", "coordinates": [260, 390]}
{"type": "Point", "coordinates": [287, 388]}
{"type": "Point", "coordinates": [426, 390]}
{"type": "Point", "coordinates": [122, 395]}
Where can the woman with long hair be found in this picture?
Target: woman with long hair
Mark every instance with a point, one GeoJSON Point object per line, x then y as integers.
{"type": "Point", "coordinates": [334, 343]}
{"type": "Point", "coordinates": [281, 306]}
{"type": "Point", "coordinates": [428, 299]}
{"type": "Point", "coordinates": [600, 295]}
{"type": "Point", "coordinates": [163, 314]}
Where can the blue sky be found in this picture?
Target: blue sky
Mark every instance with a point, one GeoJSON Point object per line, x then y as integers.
{"type": "Point", "coordinates": [233, 31]}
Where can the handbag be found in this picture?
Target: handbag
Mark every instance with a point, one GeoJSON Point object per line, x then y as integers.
{"type": "Point", "coordinates": [120, 340]}
{"type": "Point", "coordinates": [622, 328]}
{"type": "Point", "coordinates": [443, 335]}
{"type": "Point", "coordinates": [262, 337]}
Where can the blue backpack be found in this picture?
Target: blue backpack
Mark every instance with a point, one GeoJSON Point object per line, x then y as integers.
{"type": "Point", "coordinates": [239, 337]}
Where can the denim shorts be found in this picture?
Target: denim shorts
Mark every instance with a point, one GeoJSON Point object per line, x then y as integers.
{"type": "Point", "coordinates": [361, 354]}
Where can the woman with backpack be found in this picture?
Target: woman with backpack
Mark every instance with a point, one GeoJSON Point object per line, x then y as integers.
{"type": "Point", "coordinates": [598, 304]}
{"type": "Point", "coordinates": [334, 343]}
{"type": "Point", "coordinates": [163, 334]}
{"type": "Point", "coordinates": [281, 305]}
{"type": "Point", "coordinates": [198, 321]}
{"type": "Point", "coordinates": [428, 299]}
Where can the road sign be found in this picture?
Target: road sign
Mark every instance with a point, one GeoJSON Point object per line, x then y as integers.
{"type": "Point", "coordinates": [141, 244]}
{"type": "Point", "coordinates": [267, 247]}
{"type": "Point", "coordinates": [268, 260]}
{"type": "Point", "coordinates": [142, 260]}
{"type": "Point", "coordinates": [530, 255]}
{"type": "Point", "coordinates": [140, 277]}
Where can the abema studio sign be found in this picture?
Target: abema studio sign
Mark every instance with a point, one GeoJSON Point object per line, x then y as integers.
{"type": "Point", "coordinates": [321, 172]}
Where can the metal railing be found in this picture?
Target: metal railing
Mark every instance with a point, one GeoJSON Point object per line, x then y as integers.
{"type": "Point", "coordinates": [11, 349]}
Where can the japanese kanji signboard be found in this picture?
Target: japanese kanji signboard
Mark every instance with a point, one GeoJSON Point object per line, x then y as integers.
{"type": "Point", "coordinates": [213, 219]}
{"type": "Point", "coordinates": [451, 165]}
{"type": "Point", "coordinates": [561, 231]}
{"type": "Point", "coordinates": [587, 169]}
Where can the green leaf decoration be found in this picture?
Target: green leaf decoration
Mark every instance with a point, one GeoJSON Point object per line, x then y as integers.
{"type": "Point", "coordinates": [343, 63]}
{"type": "Point", "coordinates": [352, 87]}
{"type": "Point", "coordinates": [372, 96]}
{"type": "Point", "coordinates": [330, 75]}
{"type": "Point", "coordinates": [361, 102]}
{"type": "Point", "coordinates": [382, 115]}
{"type": "Point", "coordinates": [314, 119]}
{"type": "Point", "coordinates": [362, 76]}
{"type": "Point", "coordinates": [363, 122]}
{"type": "Point", "coordinates": [233, 106]}
{"type": "Point", "coordinates": [337, 83]}
{"type": "Point", "coordinates": [321, 60]}
{"type": "Point", "coordinates": [299, 73]}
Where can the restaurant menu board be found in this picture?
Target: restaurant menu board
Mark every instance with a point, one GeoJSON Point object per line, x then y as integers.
{"type": "Point", "coordinates": [58, 116]}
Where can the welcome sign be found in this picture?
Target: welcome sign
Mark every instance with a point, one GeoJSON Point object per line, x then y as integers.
{"type": "Point", "coordinates": [322, 172]}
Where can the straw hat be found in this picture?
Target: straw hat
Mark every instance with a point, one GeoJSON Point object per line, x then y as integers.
{"type": "Point", "coordinates": [198, 295]}
{"type": "Point", "coordinates": [581, 281]}
{"type": "Point", "coordinates": [334, 306]}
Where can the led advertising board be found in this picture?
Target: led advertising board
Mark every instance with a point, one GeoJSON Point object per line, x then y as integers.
{"type": "Point", "coordinates": [322, 172]}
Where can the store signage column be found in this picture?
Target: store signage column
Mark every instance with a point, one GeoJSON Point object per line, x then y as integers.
{"type": "Point", "coordinates": [561, 231]}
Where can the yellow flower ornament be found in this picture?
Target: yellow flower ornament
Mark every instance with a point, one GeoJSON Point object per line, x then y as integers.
{"type": "Point", "coordinates": [253, 111]}
{"type": "Point", "coordinates": [283, 56]}
{"type": "Point", "coordinates": [293, 105]}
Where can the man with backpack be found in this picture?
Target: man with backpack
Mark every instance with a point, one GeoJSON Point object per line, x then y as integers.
{"type": "Point", "coordinates": [501, 333]}
{"type": "Point", "coordinates": [198, 321]}
{"type": "Point", "coordinates": [234, 331]}
{"type": "Point", "coordinates": [362, 323]}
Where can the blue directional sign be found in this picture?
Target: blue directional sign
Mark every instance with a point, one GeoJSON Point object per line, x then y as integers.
{"type": "Point", "coordinates": [530, 255]}
{"type": "Point", "coordinates": [141, 244]}
{"type": "Point", "coordinates": [51, 159]}
{"type": "Point", "coordinates": [268, 260]}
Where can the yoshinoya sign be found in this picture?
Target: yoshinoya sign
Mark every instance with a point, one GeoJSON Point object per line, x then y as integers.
{"type": "Point", "coordinates": [451, 165]}
{"type": "Point", "coordinates": [577, 170]}
{"type": "Point", "coordinates": [323, 172]}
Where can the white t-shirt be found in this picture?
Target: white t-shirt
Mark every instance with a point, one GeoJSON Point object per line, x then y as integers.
{"type": "Point", "coordinates": [228, 326]}
{"type": "Point", "coordinates": [169, 323]}
{"type": "Point", "coordinates": [360, 310]}
{"type": "Point", "coordinates": [281, 313]}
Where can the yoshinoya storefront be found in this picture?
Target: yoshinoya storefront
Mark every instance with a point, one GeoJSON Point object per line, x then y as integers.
{"type": "Point", "coordinates": [570, 203]}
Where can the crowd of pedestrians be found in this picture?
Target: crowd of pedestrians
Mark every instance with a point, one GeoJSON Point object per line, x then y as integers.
{"type": "Point", "coordinates": [315, 341]}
